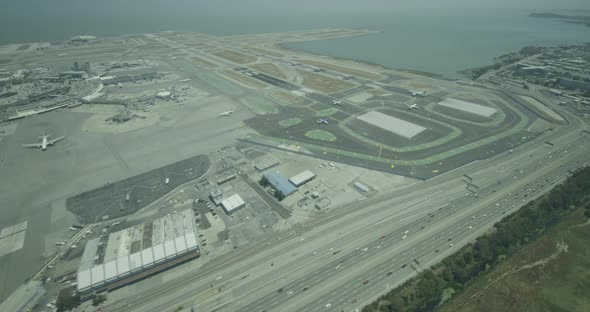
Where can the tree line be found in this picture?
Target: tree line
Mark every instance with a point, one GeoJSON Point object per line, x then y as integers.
{"type": "Point", "coordinates": [425, 291]}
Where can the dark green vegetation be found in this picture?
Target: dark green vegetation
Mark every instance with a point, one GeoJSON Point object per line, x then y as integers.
{"type": "Point", "coordinates": [67, 299]}
{"type": "Point", "coordinates": [264, 183]}
{"type": "Point", "coordinates": [425, 292]}
{"type": "Point", "coordinates": [584, 20]}
{"type": "Point", "coordinates": [550, 274]}
{"type": "Point", "coordinates": [98, 300]}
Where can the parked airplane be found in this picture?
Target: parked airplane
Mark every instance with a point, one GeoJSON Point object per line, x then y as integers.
{"type": "Point", "coordinates": [413, 106]}
{"type": "Point", "coordinates": [336, 102]}
{"type": "Point", "coordinates": [226, 113]}
{"type": "Point", "coordinates": [45, 142]}
{"type": "Point", "coordinates": [414, 93]}
{"type": "Point", "coordinates": [323, 121]}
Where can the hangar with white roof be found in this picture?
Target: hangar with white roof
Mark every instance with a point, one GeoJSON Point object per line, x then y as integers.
{"type": "Point", "coordinates": [120, 258]}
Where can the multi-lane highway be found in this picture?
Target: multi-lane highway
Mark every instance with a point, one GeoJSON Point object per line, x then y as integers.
{"type": "Point", "coordinates": [345, 259]}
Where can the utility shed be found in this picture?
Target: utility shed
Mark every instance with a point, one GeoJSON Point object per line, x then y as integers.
{"type": "Point", "coordinates": [302, 178]}
{"type": "Point", "coordinates": [232, 203]}
{"type": "Point", "coordinates": [280, 184]}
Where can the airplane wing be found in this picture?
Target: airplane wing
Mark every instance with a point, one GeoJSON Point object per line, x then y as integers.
{"type": "Point", "coordinates": [55, 140]}
{"type": "Point", "coordinates": [36, 145]}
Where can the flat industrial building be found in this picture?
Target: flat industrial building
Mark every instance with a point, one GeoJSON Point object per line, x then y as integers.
{"type": "Point", "coordinates": [232, 203]}
{"type": "Point", "coordinates": [391, 124]}
{"type": "Point", "coordinates": [302, 178]}
{"type": "Point", "coordinates": [124, 255]}
{"type": "Point", "coordinates": [468, 107]}
{"type": "Point", "coordinates": [279, 183]}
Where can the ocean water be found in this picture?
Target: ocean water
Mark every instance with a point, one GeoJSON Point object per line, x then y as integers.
{"type": "Point", "coordinates": [437, 41]}
{"type": "Point", "coordinates": [448, 41]}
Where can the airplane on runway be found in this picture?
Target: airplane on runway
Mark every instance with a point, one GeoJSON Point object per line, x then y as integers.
{"type": "Point", "coordinates": [45, 142]}
{"type": "Point", "coordinates": [413, 106]}
{"type": "Point", "coordinates": [224, 114]}
{"type": "Point", "coordinates": [336, 102]}
{"type": "Point", "coordinates": [415, 93]}
{"type": "Point", "coordinates": [323, 121]}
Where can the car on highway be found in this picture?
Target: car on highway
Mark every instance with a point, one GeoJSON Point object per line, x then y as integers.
{"type": "Point", "coordinates": [405, 236]}
{"type": "Point", "coordinates": [404, 266]}
{"type": "Point", "coordinates": [365, 282]}
{"type": "Point", "coordinates": [470, 227]}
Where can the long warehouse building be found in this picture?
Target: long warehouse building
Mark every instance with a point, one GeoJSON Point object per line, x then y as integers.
{"type": "Point", "coordinates": [114, 260]}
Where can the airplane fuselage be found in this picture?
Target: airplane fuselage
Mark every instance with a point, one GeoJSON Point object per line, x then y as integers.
{"type": "Point", "coordinates": [44, 143]}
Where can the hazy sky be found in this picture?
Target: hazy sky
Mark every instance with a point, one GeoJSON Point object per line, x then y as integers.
{"type": "Point", "coordinates": [200, 7]}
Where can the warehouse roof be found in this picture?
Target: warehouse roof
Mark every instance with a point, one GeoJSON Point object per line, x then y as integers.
{"type": "Point", "coordinates": [232, 203]}
{"type": "Point", "coordinates": [137, 248]}
{"type": "Point", "coordinates": [280, 183]}
{"type": "Point", "coordinates": [302, 177]}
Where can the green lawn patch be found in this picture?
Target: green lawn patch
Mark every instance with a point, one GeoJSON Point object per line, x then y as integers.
{"type": "Point", "coordinates": [289, 122]}
{"type": "Point", "coordinates": [321, 135]}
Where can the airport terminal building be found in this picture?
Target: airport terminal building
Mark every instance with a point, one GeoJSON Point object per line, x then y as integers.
{"type": "Point", "coordinates": [114, 260]}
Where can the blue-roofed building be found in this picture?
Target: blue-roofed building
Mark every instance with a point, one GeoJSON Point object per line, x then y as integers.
{"type": "Point", "coordinates": [280, 184]}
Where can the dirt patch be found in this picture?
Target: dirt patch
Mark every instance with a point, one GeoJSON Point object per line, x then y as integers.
{"type": "Point", "coordinates": [270, 69]}
{"type": "Point", "coordinates": [266, 52]}
{"type": "Point", "coordinates": [343, 69]}
{"type": "Point", "coordinates": [323, 83]}
{"type": "Point", "coordinates": [286, 97]}
{"type": "Point", "coordinates": [234, 56]}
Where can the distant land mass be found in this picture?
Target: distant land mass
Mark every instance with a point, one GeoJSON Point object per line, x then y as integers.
{"type": "Point", "coordinates": [574, 19]}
